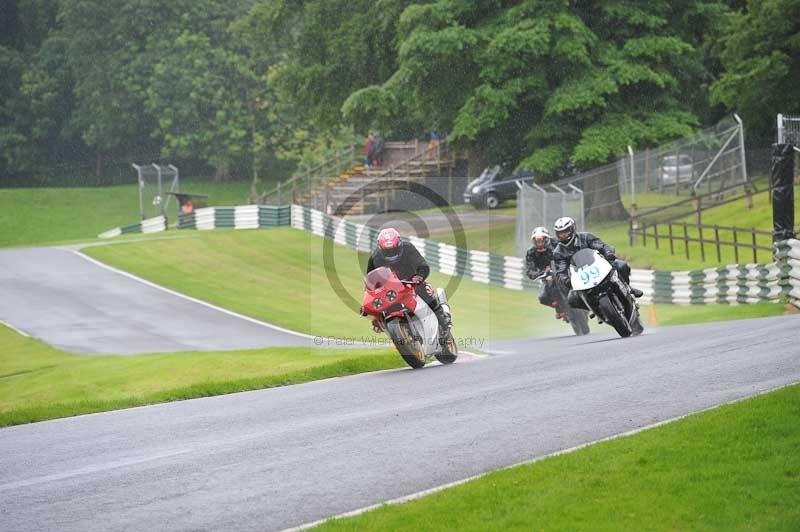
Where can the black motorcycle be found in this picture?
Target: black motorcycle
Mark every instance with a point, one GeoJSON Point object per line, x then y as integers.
{"type": "Point", "coordinates": [598, 284]}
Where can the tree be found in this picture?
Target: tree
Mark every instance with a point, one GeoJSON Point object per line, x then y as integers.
{"type": "Point", "coordinates": [34, 90]}
{"type": "Point", "coordinates": [324, 51]}
{"type": "Point", "coordinates": [551, 85]}
{"type": "Point", "coordinates": [760, 51]}
{"type": "Point", "coordinates": [154, 76]}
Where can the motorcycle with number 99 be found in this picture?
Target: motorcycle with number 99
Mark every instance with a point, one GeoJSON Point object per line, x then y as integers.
{"type": "Point", "coordinates": [609, 298]}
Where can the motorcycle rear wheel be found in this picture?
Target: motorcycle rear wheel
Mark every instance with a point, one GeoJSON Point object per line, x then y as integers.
{"type": "Point", "coordinates": [406, 345]}
{"type": "Point", "coordinates": [614, 317]}
{"type": "Point", "coordinates": [579, 319]}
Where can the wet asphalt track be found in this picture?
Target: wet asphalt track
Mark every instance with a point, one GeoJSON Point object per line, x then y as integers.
{"type": "Point", "coordinates": [277, 458]}
{"type": "Point", "coordinates": [76, 305]}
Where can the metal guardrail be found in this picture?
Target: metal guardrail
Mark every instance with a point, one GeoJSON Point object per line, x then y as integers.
{"type": "Point", "coordinates": [285, 191]}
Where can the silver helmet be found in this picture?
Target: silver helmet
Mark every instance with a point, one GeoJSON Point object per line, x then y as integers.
{"type": "Point", "coordinates": [565, 230]}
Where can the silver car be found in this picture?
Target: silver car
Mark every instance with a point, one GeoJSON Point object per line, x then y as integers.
{"type": "Point", "coordinates": [677, 169]}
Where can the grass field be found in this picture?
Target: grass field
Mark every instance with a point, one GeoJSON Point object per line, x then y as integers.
{"type": "Point", "coordinates": [736, 467]}
{"type": "Point", "coordinates": [279, 276]}
{"type": "Point", "coordinates": [31, 216]}
{"type": "Point", "coordinates": [39, 382]}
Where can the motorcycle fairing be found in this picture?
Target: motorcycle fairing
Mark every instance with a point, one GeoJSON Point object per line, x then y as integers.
{"type": "Point", "coordinates": [588, 269]}
{"type": "Point", "coordinates": [425, 326]}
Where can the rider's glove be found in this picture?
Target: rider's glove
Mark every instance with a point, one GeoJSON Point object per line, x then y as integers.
{"type": "Point", "coordinates": [417, 279]}
{"type": "Point", "coordinates": [610, 257]}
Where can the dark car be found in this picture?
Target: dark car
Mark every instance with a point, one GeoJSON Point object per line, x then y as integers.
{"type": "Point", "coordinates": [493, 187]}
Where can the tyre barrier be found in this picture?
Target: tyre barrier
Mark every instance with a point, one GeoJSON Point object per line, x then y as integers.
{"type": "Point", "coordinates": [787, 258]}
{"type": "Point", "coordinates": [733, 284]}
{"type": "Point", "coordinates": [151, 225]}
{"type": "Point", "coordinates": [241, 217]}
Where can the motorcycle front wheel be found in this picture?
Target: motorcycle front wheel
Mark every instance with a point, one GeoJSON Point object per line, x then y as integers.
{"type": "Point", "coordinates": [406, 345]}
{"type": "Point", "coordinates": [614, 317]}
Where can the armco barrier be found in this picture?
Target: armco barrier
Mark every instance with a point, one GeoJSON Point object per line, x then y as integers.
{"type": "Point", "coordinates": [749, 283]}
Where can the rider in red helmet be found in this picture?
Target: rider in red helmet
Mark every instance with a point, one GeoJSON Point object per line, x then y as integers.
{"type": "Point", "coordinates": [403, 258]}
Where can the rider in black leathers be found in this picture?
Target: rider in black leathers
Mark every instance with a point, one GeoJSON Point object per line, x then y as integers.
{"type": "Point", "coordinates": [569, 243]}
{"type": "Point", "coordinates": [406, 261]}
{"type": "Point", "coordinates": [539, 260]}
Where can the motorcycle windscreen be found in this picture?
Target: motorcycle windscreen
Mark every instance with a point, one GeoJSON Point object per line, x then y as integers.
{"type": "Point", "coordinates": [588, 269]}
{"type": "Point", "coordinates": [377, 278]}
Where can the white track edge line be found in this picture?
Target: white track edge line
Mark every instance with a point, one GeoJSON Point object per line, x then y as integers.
{"type": "Point", "coordinates": [189, 298]}
{"type": "Point", "coordinates": [18, 331]}
{"type": "Point", "coordinates": [201, 302]}
{"type": "Point", "coordinates": [435, 489]}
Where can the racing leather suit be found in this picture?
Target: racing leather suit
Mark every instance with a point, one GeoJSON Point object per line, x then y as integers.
{"type": "Point", "coordinates": [563, 253]}
{"type": "Point", "coordinates": [409, 264]}
{"type": "Point", "coordinates": [538, 262]}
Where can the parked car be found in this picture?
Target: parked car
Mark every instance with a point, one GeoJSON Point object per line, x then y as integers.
{"type": "Point", "coordinates": [677, 169]}
{"type": "Point", "coordinates": [493, 187]}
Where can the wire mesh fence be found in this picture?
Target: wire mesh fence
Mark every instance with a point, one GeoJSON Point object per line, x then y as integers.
{"type": "Point", "coordinates": [542, 206]}
{"type": "Point", "coordinates": [713, 158]}
{"type": "Point", "coordinates": [710, 161]}
{"type": "Point", "coordinates": [788, 130]}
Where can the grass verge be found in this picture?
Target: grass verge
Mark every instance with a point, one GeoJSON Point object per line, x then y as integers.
{"type": "Point", "coordinates": [30, 216]}
{"type": "Point", "coordinates": [39, 382]}
{"type": "Point", "coordinates": [736, 467]}
{"type": "Point", "coordinates": [683, 314]}
{"type": "Point", "coordinates": [281, 276]}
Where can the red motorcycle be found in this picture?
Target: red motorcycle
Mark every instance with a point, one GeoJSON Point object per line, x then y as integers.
{"type": "Point", "coordinates": [406, 318]}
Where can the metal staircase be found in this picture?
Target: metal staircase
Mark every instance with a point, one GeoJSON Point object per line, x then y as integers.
{"type": "Point", "coordinates": [343, 186]}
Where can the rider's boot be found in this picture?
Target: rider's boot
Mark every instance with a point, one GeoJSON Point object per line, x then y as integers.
{"type": "Point", "coordinates": [636, 292]}
{"type": "Point", "coordinates": [445, 323]}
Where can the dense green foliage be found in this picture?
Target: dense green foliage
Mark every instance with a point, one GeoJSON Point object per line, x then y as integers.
{"type": "Point", "coordinates": [249, 87]}
{"type": "Point", "coordinates": [761, 54]}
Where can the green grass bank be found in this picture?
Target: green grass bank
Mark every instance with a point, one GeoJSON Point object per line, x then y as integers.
{"type": "Point", "coordinates": [282, 276]}
{"type": "Point", "coordinates": [34, 216]}
{"type": "Point", "coordinates": [39, 382]}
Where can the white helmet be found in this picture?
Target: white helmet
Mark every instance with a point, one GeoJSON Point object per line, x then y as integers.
{"type": "Point", "coordinates": [565, 230]}
{"type": "Point", "coordinates": [541, 238]}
